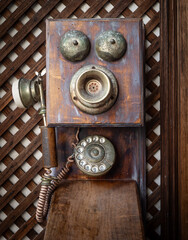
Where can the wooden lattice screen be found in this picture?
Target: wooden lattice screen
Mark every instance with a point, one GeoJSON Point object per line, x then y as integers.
{"type": "Point", "coordinates": [22, 45]}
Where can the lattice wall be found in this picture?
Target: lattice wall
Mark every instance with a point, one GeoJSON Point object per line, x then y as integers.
{"type": "Point", "coordinates": [22, 45]}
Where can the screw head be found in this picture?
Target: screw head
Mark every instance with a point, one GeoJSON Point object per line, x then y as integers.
{"type": "Point", "coordinates": [75, 42]}
{"type": "Point", "coordinates": [112, 41]}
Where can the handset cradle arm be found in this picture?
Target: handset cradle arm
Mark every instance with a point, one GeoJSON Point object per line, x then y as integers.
{"type": "Point", "coordinates": [49, 183]}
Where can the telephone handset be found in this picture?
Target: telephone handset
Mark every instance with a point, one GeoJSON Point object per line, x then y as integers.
{"type": "Point", "coordinates": [94, 155]}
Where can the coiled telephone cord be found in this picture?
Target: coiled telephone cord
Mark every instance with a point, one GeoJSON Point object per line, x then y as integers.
{"type": "Point", "coordinates": [48, 185]}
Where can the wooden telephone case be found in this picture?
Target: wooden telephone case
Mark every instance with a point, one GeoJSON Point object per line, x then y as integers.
{"type": "Point", "coordinates": [123, 123]}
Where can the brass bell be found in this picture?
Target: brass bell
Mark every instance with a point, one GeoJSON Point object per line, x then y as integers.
{"type": "Point", "coordinates": [110, 45]}
{"type": "Point", "coordinates": [74, 45]}
{"type": "Point", "coordinates": [95, 155]}
{"type": "Point", "coordinates": [93, 89]}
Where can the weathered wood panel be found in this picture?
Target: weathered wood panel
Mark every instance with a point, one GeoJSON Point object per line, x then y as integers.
{"type": "Point", "coordinates": [128, 108]}
{"type": "Point", "coordinates": [105, 210]}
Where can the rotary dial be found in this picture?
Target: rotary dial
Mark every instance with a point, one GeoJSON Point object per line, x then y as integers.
{"type": "Point", "coordinates": [95, 155]}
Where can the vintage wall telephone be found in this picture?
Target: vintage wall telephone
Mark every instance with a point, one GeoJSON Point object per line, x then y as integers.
{"type": "Point", "coordinates": [94, 83]}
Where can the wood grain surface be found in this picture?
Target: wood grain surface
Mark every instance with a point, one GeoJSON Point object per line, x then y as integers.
{"type": "Point", "coordinates": [95, 210]}
{"type": "Point", "coordinates": [182, 46]}
{"type": "Point", "coordinates": [128, 109]}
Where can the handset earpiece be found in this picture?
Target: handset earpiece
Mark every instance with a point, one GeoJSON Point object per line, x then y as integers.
{"type": "Point", "coordinates": [25, 92]}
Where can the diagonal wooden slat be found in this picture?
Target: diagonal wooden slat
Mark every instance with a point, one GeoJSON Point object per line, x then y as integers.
{"type": "Point", "coordinates": [94, 8]}
{"type": "Point", "coordinates": [152, 48]}
{"type": "Point", "coordinates": [5, 100]}
{"type": "Point", "coordinates": [4, 4]}
{"type": "Point", "coordinates": [46, 8]}
{"type": "Point", "coordinates": [16, 15]}
{"type": "Point", "coordinates": [19, 135]}
{"type": "Point", "coordinates": [153, 23]}
{"type": "Point", "coordinates": [40, 235]}
{"type": "Point", "coordinates": [25, 228]}
{"type": "Point", "coordinates": [19, 210]}
{"type": "Point", "coordinates": [154, 147]}
{"type": "Point", "coordinates": [152, 73]}
{"type": "Point", "coordinates": [156, 220]}
{"type": "Point", "coordinates": [153, 137]}
{"type": "Point", "coordinates": [11, 118]}
{"type": "Point", "coordinates": [118, 9]}
{"type": "Point", "coordinates": [151, 232]}
{"type": "Point", "coordinates": [20, 184]}
{"type": "Point", "coordinates": [20, 159]}
{"type": "Point", "coordinates": [153, 98]}
{"type": "Point", "coordinates": [154, 172]}
{"type": "Point", "coordinates": [153, 123]}
{"type": "Point", "coordinates": [152, 86]}
{"type": "Point", "coordinates": [154, 197]}
{"type": "Point", "coordinates": [143, 8]}
{"type": "Point", "coordinates": [22, 57]}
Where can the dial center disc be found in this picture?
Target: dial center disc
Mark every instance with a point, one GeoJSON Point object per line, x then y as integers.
{"type": "Point", "coordinates": [94, 152]}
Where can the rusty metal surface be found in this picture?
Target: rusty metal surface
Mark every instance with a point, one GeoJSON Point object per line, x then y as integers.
{"type": "Point", "coordinates": [110, 45]}
{"type": "Point", "coordinates": [93, 89]}
{"type": "Point", "coordinates": [74, 45]}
